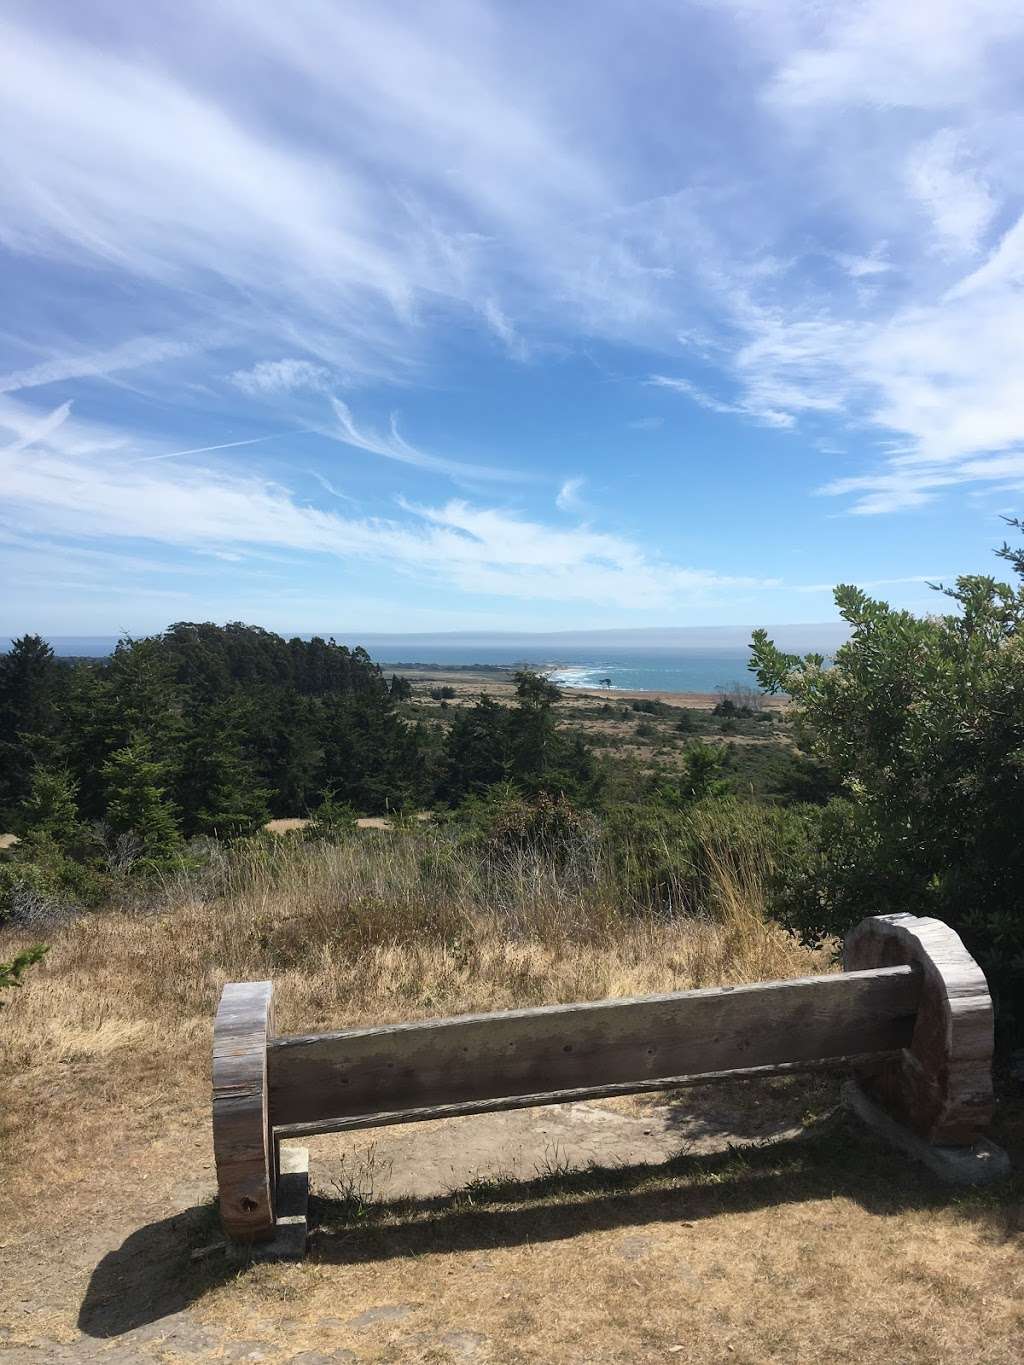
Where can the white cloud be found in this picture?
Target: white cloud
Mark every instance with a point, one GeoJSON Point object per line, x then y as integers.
{"type": "Point", "coordinates": [958, 202]}
{"type": "Point", "coordinates": [862, 267]}
{"type": "Point", "coordinates": [393, 446]}
{"type": "Point", "coordinates": [568, 497]}
{"type": "Point", "coordinates": [58, 490]}
{"type": "Point", "coordinates": [128, 355]}
{"type": "Point", "coordinates": [270, 377]}
{"type": "Point", "coordinates": [514, 343]}
{"type": "Point", "coordinates": [754, 407]}
{"type": "Point", "coordinates": [1003, 269]}
{"type": "Point", "coordinates": [375, 192]}
{"type": "Point", "coordinates": [920, 56]}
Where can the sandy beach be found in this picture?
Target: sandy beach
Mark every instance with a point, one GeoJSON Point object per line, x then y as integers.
{"type": "Point", "coordinates": [470, 683]}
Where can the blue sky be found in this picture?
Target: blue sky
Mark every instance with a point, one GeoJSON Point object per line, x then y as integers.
{"type": "Point", "coordinates": [504, 315]}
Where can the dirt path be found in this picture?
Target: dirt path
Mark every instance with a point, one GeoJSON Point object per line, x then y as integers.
{"type": "Point", "coordinates": [711, 1252]}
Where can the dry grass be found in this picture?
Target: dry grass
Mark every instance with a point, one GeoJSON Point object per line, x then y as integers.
{"type": "Point", "coordinates": [370, 930]}
{"type": "Point", "coordinates": [829, 1251]}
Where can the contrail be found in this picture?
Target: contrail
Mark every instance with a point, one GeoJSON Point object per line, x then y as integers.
{"type": "Point", "coordinates": [201, 450]}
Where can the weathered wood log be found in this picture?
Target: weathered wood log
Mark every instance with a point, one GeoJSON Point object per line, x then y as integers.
{"type": "Point", "coordinates": [563, 1048]}
{"type": "Point", "coordinates": [941, 1086]}
{"type": "Point", "coordinates": [243, 1143]}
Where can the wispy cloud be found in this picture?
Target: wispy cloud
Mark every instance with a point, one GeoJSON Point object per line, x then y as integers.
{"type": "Point", "coordinates": [373, 213]}
{"type": "Point", "coordinates": [272, 377]}
{"type": "Point", "coordinates": [955, 198]}
{"type": "Point", "coordinates": [477, 550]}
{"type": "Point", "coordinates": [568, 496]}
{"type": "Point", "coordinates": [754, 406]}
{"type": "Point", "coordinates": [392, 445]}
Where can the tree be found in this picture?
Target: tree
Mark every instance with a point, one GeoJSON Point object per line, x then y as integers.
{"type": "Point", "coordinates": [29, 719]}
{"type": "Point", "coordinates": [137, 803]}
{"type": "Point", "coordinates": [701, 777]}
{"type": "Point", "coordinates": [219, 788]}
{"type": "Point", "coordinates": [400, 688]}
{"type": "Point", "coordinates": [50, 811]}
{"type": "Point", "coordinates": [921, 719]}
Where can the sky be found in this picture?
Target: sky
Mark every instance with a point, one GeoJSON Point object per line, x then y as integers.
{"type": "Point", "coordinates": [504, 316]}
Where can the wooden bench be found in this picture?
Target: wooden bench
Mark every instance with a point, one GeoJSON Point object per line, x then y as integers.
{"type": "Point", "coordinates": [910, 1015]}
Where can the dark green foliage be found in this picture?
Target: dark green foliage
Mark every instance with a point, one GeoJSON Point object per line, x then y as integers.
{"type": "Point", "coordinates": [12, 972]}
{"type": "Point", "coordinates": [503, 820]}
{"type": "Point", "coordinates": [488, 745]}
{"type": "Point", "coordinates": [30, 686]}
{"type": "Point", "coordinates": [137, 803]}
{"type": "Point", "coordinates": [445, 693]}
{"type": "Point", "coordinates": [653, 708]}
{"type": "Point", "coordinates": [667, 856]}
{"type": "Point", "coordinates": [703, 775]}
{"type": "Point", "coordinates": [533, 689]}
{"type": "Point", "coordinates": [922, 722]}
{"type": "Point", "coordinates": [331, 818]}
{"type": "Point", "coordinates": [50, 812]}
{"type": "Point", "coordinates": [372, 758]}
{"type": "Point", "coordinates": [730, 710]}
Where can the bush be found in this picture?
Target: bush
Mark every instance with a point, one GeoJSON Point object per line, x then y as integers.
{"type": "Point", "coordinates": [670, 859]}
{"type": "Point", "coordinates": [652, 708]}
{"type": "Point", "coordinates": [922, 722]}
{"type": "Point", "coordinates": [45, 893]}
{"type": "Point", "coordinates": [12, 972]}
{"type": "Point", "coordinates": [443, 693]}
{"type": "Point", "coordinates": [504, 820]}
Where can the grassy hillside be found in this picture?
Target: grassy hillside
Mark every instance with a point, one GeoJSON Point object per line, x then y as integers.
{"type": "Point", "coordinates": [630, 1230]}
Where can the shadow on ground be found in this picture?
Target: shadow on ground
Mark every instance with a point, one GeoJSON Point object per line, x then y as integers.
{"type": "Point", "coordinates": [152, 1275]}
{"type": "Point", "coordinates": [834, 1159]}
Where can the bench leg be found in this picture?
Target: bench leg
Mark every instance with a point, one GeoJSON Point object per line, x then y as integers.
{"type": "Point", "coordinates": [243, 1143]}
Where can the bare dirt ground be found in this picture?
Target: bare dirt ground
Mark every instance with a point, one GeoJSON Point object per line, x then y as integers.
{"type": "Point", "coordinates": [717, 1223]}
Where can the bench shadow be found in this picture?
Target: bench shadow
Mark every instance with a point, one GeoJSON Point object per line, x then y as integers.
{"type": "Point", "coordinates": [152, 1276]}
{"type": "Point", "coordinates": [833, 1158]}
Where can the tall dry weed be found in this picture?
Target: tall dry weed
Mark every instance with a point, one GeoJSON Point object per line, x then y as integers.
{"type": "Point", "coordinates": [371, 929]}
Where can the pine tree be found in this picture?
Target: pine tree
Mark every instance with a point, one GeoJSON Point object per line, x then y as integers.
{"type": "Point", "coordinates": [50, 811]}
{"type": "Point", "coordinates": [219, 788]}
{"type": "Point", "coordinates": [137, 802]}
{"type": "Point", "coordinates": [29, 717]}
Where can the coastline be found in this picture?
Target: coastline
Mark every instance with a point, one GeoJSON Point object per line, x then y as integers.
{"type": "Point", "coordinates": [468, 683]}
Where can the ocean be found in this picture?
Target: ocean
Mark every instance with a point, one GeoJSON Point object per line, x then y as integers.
{"type": "Point", "coordinates": [630, 670]}
{"type": "Point", "coordinates": [705, 665]}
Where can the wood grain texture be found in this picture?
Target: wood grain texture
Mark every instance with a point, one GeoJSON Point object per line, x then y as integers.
{"type": "Point", "coordinates": [243, 1145]}
{"type": "Point", "coordinates": [941, 1087]}
{"type": "Point", "coordinates": [563, 1048]}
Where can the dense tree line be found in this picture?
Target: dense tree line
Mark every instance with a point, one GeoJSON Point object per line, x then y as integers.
{"type": "Point", "coordinates": [211, 730]}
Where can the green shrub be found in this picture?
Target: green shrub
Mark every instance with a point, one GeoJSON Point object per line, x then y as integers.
{"type": "Point", "coordinates": [922, 722]}
{"type": "Point", "coordinates": [504, 820]}
{"type": "Point", "coordinates": [12, 972]}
